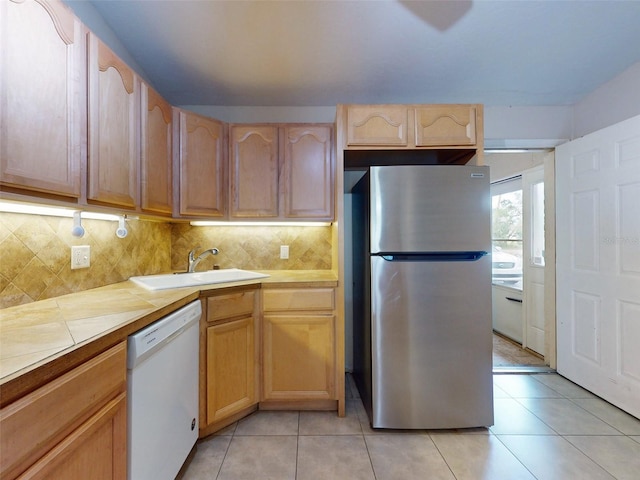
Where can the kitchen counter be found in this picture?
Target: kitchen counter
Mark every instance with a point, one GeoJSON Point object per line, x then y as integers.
{"type": "Point", "coordinates": [42, 340]}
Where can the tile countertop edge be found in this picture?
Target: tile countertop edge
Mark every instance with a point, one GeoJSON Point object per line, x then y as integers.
{"type": "Point", "coordinates": [25, 380]}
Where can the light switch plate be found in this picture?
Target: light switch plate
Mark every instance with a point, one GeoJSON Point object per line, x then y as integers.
{"type": "Point", "coordinates": [284, 252]}
{"type": "Point", "coordinates": [80, 257]}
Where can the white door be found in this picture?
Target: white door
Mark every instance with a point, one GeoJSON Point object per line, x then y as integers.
{"type": "Point", "coordinates": [533, 259]}
{"type": "Point", "coordinates": [598, 262]}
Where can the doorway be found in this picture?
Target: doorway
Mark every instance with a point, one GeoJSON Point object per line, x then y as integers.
{"type": "Point", "coordinates": [523, 260]}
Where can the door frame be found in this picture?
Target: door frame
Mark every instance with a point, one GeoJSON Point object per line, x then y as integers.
{"type": "Point", "coordinates": [551, 346]}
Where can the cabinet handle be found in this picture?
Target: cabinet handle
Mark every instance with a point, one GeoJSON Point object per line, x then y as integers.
{"type": "Point", "coordinates": [513, 299]}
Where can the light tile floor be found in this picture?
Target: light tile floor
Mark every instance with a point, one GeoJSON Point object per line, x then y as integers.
{"type": "Point", "coordinates": [546, 427]}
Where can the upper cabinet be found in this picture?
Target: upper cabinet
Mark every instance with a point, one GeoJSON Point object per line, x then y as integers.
{"type": "Point", "coordinates": [441, 125]}
{"type": "Point", "coordinates": [281, 172]}
{"type": "Point", "coordinates": [200, 161]}
{"type": "Point", "coordinates": [114, 117]}
{"type": "Point", "coordinates": [42, 98]}
{"type": "Point", "coordinates": [155, 152]}
{"type": "Point", "coordinates": [414, 126]}
{"type": "Point", "coordinates": [254, 168]}
{"type": "Point", "coordinates": [79, 126]}
{"type": "Point", "coordinates": [308, 172]}
{"type": "Point", "coordinates": [377, 125]}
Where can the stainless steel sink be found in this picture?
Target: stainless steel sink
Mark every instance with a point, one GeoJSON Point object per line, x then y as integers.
{"type": "Point", "coordinates": [171, 280]}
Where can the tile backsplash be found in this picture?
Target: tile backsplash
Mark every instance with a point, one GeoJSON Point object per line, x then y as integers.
{"type": "Point", "coordinates": [253, 248]}
{"type": "Point", "coordinates": [35, 252]}
{"type": "Point", "coordinates": [35, 255]}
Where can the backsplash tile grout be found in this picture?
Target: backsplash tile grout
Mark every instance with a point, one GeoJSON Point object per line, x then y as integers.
{"type": "Point", "coordinates": [35, 252]}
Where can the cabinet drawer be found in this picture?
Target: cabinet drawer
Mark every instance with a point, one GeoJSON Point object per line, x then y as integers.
{"type": "Point", "coordinates": [37, 422]}
{"type": "Point", "coordinates": [299, 299]}
{"type": "Point", "coordinates": [231, 305]}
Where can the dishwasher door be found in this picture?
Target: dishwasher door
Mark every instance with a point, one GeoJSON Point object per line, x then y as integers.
{"type": "Point", "coordinates": [162, 396]}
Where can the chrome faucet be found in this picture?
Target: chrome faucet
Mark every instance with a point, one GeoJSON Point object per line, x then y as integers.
{"type": "Point", "coordinates": [194, 261]}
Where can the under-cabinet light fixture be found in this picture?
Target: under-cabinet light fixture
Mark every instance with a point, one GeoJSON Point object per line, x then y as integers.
{"type": "Point", "coordinates": [207, 223]}
{"type": "Point", "coordinates": [32, 209]}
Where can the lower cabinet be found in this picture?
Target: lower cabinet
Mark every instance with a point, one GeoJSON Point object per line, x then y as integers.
{"type": "Point", "coordinates": [299, 348]}
{"type": "Point", "coordinates": [73, 425]}
{"type": "Point", "coordinates": [282, 356]}
{"type": "Point", "coordinates": [229, 377]}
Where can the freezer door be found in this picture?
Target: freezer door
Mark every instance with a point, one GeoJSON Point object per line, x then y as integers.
{"type": "Point", "coordinates": [429, 208]}
{"type": "Point", "coordinates": [431, 344]}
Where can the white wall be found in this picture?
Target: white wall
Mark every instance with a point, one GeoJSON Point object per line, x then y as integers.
{"type": "Point", "coordinates": [527, 127]}
{"type": "Point", "coordinates": [507, 165]}
{"type": "Point", "coordinates": [613, 102]}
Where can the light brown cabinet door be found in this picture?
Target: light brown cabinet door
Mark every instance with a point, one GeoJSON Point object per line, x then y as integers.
{"type": "Point", "coordinates": [445, 125]}
{"type": "Point", "coordinates": [42, 99]}
{"type": "Point", "coordinates": [230, 368]}
{"type": "Point", "coordinates": [299, 353]}
{"type": "Point", "coordinates": [308, 172]}
{"type": "Point", "coordinates": [114, 115]}
{"type": "Point", "coordinates": [201, 166]}
{"type": "Point", "coordinates": [253, 154]}
{"type": "Point", "coordinates": [155, 152]}
{"type": "Point", "coordinates": [98, 449]}
{"type": "Point", "coordinates": [381, 125]}
{"type": "Point", "coordinates": [52, 428]}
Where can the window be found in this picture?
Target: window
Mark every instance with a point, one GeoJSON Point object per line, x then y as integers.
{"type": "Point", "coordinates": [506, 232]}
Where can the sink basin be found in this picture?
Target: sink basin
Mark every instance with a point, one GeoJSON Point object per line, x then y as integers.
{"type": "Point", "coordinates": [177, 280]}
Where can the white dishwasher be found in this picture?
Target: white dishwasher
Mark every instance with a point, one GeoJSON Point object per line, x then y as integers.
{"type": "Point", "coordinates": [162, 396]}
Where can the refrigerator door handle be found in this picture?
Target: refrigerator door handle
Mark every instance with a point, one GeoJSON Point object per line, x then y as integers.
{"type": "Point", "coordinates": [434, 256]}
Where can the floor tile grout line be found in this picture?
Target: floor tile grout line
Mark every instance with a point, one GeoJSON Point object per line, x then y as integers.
{"type": "Point", "coordinates": [442, 456]}
{"type": "Point", "coordinates": [515, 456]}
{"type": "Point", "coordinates": [226, 451]}
{"type": "Point", "coordinates": [599, 417]}
{"type": "Point", "coordinates": [366, 446]}
{"type": "Point", "coordinates": [589, 456]}
{"type": "Point", "coordinates": [581, 408]}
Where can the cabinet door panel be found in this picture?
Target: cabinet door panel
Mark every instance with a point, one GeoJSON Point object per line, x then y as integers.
{"type": "Point", "coordinates": [32, 425]}
{"type": "Point", "coordinates": [99, 446]}
{"type": "Point", "coordinates": [445, 125]}
{"type": "Point", "coordinates": [113, 128]}
{"type": "Point", "coordinates": [254, 171]}
{"type": "Point", "coordinates": [42, 100]}
{"type": "Point", "coordinates": [307, 188]}
{"type": "Point", "coordinates": [299, 354]}
{"type": "Point", "coordinates": [155, 152]}
{"type": "Point", "coordinates": [230, 368]}
{"type": "Point", "coordinates": [377, 125]}
{"type": "Point", "coordinates": [202, 179]}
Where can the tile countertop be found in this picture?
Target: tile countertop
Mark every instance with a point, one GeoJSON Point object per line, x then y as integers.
{"type": "Point", "coordinates": [40, 341]}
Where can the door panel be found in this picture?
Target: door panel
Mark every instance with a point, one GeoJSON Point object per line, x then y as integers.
{"type": "Point", "coordinates": [430, 208]}
{"type": "Point", "coordinates": [598, 262]}
{"type": "Point", "coordinates": [431, 343]}
{"type": "Point", "coordinates": [533, 259]}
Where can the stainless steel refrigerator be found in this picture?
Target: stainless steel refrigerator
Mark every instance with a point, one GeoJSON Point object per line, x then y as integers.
{"type": "Point", "coordinates": [422, 296]}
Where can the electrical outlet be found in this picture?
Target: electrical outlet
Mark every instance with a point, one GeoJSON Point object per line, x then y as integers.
{"type": "Point", "coordinates": [284, 252]}
{"type": "Point", "coordinates": [80, 257]}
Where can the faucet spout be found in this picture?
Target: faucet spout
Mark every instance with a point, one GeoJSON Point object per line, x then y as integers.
{"type": "Point", "coordinates": [194, 261]}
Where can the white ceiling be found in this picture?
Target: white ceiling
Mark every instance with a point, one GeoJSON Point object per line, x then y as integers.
{"type": "Point", "coordinates": [321, 53]}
